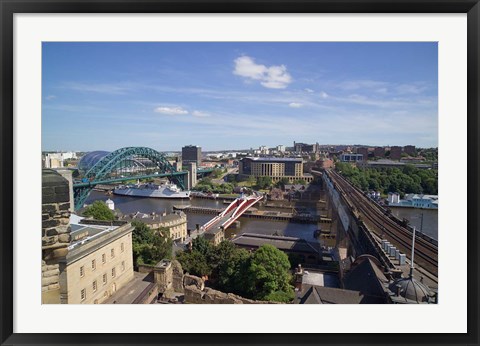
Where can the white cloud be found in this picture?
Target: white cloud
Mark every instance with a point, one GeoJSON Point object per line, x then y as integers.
{"type": "Point", "coordinates": [415, 88]}
{"type": "Point", "coordinates": [323, 95]}
{"type": "Point", "coordinates": [112, 89]}
{"type": "Point", "coordinates": [171, 110]}
{"type": "Point", "coordinates": [273, 77]}
{"type": "Point", "coordinates": [50, 97]}
{"type": "Point", "coordinates": [200, 114]}
{"type": "Point", "coordinates": [295, 105]}
{"type": "Point", "coordinates": [362, 84]}
{"type": "Point", "coordinates": [308, 90]}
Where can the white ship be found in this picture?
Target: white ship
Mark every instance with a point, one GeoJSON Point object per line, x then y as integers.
{"type": "Point", "coordinates": [152, 190]}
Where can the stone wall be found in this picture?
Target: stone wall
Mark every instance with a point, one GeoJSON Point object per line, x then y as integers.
{"type": "Point", "coordinates": [169, 277]}
{"type": "Point", "coordinates": [55, 232]}
{"type": "Point", "coordinates": [195, 295]}
{"type": "Point", "coordinates": [170, 280]}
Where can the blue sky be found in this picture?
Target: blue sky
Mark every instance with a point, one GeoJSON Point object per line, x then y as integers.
{"type": "Point", "coordinates": [104, 96]}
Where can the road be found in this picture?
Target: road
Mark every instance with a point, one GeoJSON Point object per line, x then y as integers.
{"type": "Point", "coordinates": [219, 180]}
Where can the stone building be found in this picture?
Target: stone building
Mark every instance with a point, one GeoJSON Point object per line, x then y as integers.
{"type": "Point", "coordinates": [176, 223]}
{"type": "Point", "coordinates": [275, 168]}
{"type": "Point", "coordinates": [192, 175]}
{"type": "Point", "coordinates": [99, 261]}
{"type": "Point", "coordinates": [215, 236]}
{"type": "Point", "coordinates": [55, 233]}
{"type": "Point", "coordinates": [82, 261]}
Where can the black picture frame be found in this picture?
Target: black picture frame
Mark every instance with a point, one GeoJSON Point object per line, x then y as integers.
{"type": "Point", "coordinates": [10, 7]}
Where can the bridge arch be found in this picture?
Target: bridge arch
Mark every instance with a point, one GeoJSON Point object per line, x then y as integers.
{"type": "Point", "coordinates": [111, 162]}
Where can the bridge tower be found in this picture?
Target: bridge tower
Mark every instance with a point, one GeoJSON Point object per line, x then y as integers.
{"type": "Point", "coordinates": [192, 175]}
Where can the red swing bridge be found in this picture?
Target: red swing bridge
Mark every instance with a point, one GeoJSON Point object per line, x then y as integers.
{"type": "Point", "coordinates": [230, 214]}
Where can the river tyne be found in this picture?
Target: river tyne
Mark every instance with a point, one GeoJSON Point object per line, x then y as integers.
{"type": "Point", "coordinates": [128, 205]}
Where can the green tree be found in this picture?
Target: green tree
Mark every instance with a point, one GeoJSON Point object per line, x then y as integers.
{"type": "Point", "coordinates": [269, 274]}
{"type": "Point", "coordinates": [99, 211]}
{"type": "Point", "coordinates": [233, 270]}
{"type": "Point", "coordinates": [282, 182]}
{"type": "Point", "coordinates": [264, 183]}
{"type": "Point", "coordinates": [150, 246]}
{"type": "Point", "coordinates": [217, 172]}
{"type": "Point", "coordinates": [198, 260]}
{"type": "Point", "coordinates": [202, 245]}
{"type": "Point", "coordinates": [194, 262]}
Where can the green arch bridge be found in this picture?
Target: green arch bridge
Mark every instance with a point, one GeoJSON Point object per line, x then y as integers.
{"type": "Point", "coordinates": [129, 163]}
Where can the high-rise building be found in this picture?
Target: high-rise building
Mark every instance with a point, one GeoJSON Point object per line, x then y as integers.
{"type": "Point", "coordinates": [306, 148]}
{"type": "Point", "coordinates": [192, 153]}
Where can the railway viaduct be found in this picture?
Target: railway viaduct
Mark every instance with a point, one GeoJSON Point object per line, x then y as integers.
{"type": "Point", "coordinates": [363, 227]}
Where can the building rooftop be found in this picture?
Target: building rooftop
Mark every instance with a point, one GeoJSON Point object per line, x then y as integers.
{"type": "Point", "coordinates": [280, 242]}
{"type": "Point", "coordinates": [89, 235]}
{"type": "Point", "coordinates": [213, 231]}
{"type": "Point", "coordinates": [311, 294]}
{"type": "Point", "coordinates": [275, 159]}
{"type": "Point", "coordinates": [83, 233]}
{"type": "Point", "coordinates": [367, 278]}
{"type": "Point", "coordinates": [154, 218]}
{"type": "Point", "coordinates": [420, 196]}
{"type": "Point", "coordinates": [311, 277]}
{"type": "Point", "coordinates": [386, 162]}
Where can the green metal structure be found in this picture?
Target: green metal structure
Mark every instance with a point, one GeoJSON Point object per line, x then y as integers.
{"type": "Point", "coordinates": [119, 165]}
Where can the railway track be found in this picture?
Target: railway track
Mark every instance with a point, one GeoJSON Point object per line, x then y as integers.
{"type": "Point", "coordinates": [426, 254]}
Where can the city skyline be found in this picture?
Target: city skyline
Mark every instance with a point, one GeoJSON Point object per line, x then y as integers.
{"type": "Point", "coordinates": [103, 96]}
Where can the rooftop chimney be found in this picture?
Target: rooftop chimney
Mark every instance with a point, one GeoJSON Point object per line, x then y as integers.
{"type": "Point", "coordinates": [299, 277]}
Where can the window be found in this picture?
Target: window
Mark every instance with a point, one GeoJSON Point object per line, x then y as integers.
{"type": "Point", "coordinates": [94, 264]}
{"type": "Point", "coordinates": [112, 253]}
{"type": "Point", "coordinates": [123, 266]}
{"type": "Point", "coordinates": [82, 271]}
{"type": "Point", "coordinates": [104, 258]}
{"type": "Point", "coordinates": [83, 294]}
{"type": "Point", "coordinates": [94, 286]}
{"type": "Point", "coordinates": [113, 272]}
{"type": "Point", "coordinates": [122, 247]}
{"type": "Point", "coordinates": [104, 279]}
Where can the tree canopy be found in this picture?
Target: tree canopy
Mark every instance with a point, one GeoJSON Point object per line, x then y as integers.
{"type": "Point", "coordinates": [99, 211]}
{"type": "Point", "coordinates": [407, 179]}
{"type": "Point", "coordinates": [269, 274]}
{"type": "Point", "coordinates": [150, 246]}
{"type": "Point", "coordinates": [262, 275]}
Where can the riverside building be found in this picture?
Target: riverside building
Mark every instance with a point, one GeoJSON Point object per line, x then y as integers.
{"type": "Point", "coordinates": [99, 261]}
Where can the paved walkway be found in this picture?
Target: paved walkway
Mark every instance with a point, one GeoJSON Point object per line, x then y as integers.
{"type": "Point", "coordinates": [128, 293]}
